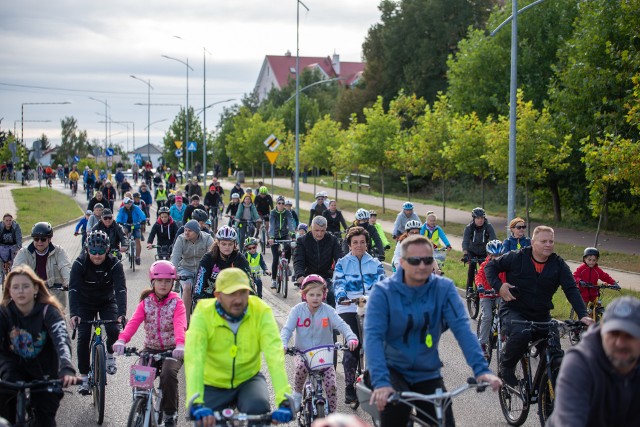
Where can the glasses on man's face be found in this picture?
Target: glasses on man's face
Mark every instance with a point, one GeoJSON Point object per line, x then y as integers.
{"type": "Point", "coordinates": [416, 260]}
{"type": "Point", "coordinates": [520, 227]}
{"type": "Point", "coordinates": [280, 203]}
{"type": "Point", "coordinates": [107, 218]}
{"type": "Point", "coordinates": [40, 239]}
{"type": "Point", "coordinates": [97, 251]}
{"type": "Point", "coordinates": [250, 248]}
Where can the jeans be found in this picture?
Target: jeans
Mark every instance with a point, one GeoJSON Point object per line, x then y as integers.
{"type": "Point", "coordinates": [350, 358]}
{"type": "Point", "coordinates": [250, 397]}
{"type": "Point", "coordinates": [486, 305]}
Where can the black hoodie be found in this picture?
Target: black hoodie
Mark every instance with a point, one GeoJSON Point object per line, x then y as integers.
{"type": "Point", "coordinates": [166, 232]}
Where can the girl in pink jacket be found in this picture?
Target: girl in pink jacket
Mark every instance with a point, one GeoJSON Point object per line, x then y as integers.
{"type": "Point", "coordinates": [165, 322]}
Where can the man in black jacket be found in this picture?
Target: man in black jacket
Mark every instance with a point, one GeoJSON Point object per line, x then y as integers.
{"type": "Point", "coordinates": [117, 238]}
{"type": "Point", "coordinates": [315, 254]}
{"type": "Point", "coordinates": [536, 272]}
{"type": "Point", "coordinates": [599, 379]}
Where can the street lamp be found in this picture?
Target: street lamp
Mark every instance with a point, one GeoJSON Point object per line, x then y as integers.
{"type": "Point", "coordinates": [297, 174]}
{"type": "Point", "coordinates": [186, 111]}
{"type": "Point", "coordinates": [157, 121]}
{"type": "Point", "coordinates": [106, 119]}
{"type": "Point", "coordinates": [319, 82]}
{"type": "Point", "coordinates": [201, 110]}
{"type": "Point", "coordinates": [149, 87]}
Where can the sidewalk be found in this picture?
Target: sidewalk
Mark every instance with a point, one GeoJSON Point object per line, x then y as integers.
{"type": "Point", "coordinates": [6, 199]}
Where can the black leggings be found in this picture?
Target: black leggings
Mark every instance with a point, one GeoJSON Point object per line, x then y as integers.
{"type": "Point", "coordinates": [350, 358]}
{"type": "Point", "coordinates": [275, 251]}
{"type": "Point", "coordinates": [108, 312]}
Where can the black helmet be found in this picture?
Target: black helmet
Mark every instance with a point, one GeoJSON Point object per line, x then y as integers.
{"type": "Point", "coordinates": [163, 209]}
{"type": "Point", "coordinates": [42, 229]}
{"type": "Point", "coordinates": [97, 240]}
{"type": "Point", "coordinates": [136, 195]}
{"type": "Point", "coordinates": [591, 251]}
{"type": "Point", "coordinates": [199, 215]}
{"type": "Point", "coordinates": [478, 213]}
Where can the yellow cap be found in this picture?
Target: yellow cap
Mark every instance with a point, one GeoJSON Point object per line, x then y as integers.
{"type": "Point", "coordinates": [231, 280]}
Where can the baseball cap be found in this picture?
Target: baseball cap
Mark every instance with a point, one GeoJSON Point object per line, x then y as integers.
{"type": "Point", "coordinates": [88, 212]}
{"type": "Point", "coordinates": [127, 200]}
{"type": "Point", "coordinates": [622, 314]}
{"type": "Point", "coordinates": [231, 280]}
{"type": "Point", "coordinates": [178, 198]}
{"type": "Point", "coordinates": [107, 212]}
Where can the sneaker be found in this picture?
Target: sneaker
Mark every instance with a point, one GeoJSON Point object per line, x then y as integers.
{"type": "Point", "coordinates": [170, 419]}
{"type": "Point", "coordinates": [137, 261]}
{"type": "Point", "coordinates": [297, 401]}
{"type": "Point", "coordinates": [350, 394]}
{"type": "Point", "coordinates": [111, 365]}
{"type": "Point", "coordinates": [273, 285]}
{"type": "Point", "coordinates": [83, 387]}
{"type": "Point", "coordinates": [508, 375]}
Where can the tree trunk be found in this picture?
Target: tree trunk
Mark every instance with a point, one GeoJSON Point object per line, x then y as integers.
{"type": "Point", "coordinates": [526, 204]}
{"type": "Point", "coordinates": [482, 191]}
{"type": "Point", "coordinates": [555, 198]}
{"type": "Point", "coordinates": [262, 163]}
{"type": "Point", "coordinates": [336, 184]}
{"type": "Point", "coordinates": [253, 174]}
{"type": "Point", "coordinates": [444, 206]}
{"type": "Point", "coordinates": [313, 174]}
{"type": "Point", "coordinates": [357, 188]}
{"type": "Point", "coordinates": [602, 214]}
{"type": "Point", "coordinates": [382, 187]}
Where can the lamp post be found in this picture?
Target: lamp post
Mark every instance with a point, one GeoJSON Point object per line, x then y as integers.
{"type": "Point", "coordinates": [186, 111]}
{"type": "Point", "coordinates": [133, 125]}
{"type": "Point", "coordinates": [149, 87]}
{"type": "Point", "coordinates": [297, 174]}
{"type": "Point", "coordinates": [319, 82]}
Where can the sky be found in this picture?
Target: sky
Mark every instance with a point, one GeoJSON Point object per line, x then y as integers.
{"type": "Point", "coordinates": [69, 51]}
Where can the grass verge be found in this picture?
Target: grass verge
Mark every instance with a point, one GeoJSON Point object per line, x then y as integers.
{"type": "Point", "coordinates": [35, 205]}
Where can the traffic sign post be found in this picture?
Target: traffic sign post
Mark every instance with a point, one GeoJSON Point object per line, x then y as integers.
{"type": "Point", "coordinates": [76, 159]}
{"type": "Point", "coordinates": [272, 156]}
{"type": "Point", "coordinates": [272, 143]}
{"type": "Point", "coordinates": [178, 153]}
{"type": "Point", "coordinates": [178, 144]}
{"type": "Point", "coordinates": [109, 152]}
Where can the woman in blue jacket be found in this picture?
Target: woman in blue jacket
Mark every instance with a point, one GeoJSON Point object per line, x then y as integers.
{"type": "Point", "coordinates": [517, 239]}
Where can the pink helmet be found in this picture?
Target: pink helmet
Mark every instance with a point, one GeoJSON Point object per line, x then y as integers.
{"type": "Point", "coordinates": [162, 270]}
{"type": "Point", "coordinates": [311, 279]}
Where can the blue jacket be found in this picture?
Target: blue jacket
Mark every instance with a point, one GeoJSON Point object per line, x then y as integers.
{"type": "Point", "coordinates": [146, 197]}
{"type": "Point", "coordinates": [511, 244]}
{"type": "Point", "coordinates": [399, 321]}
{"type": "Point", "coordinates": [119, 177]}
{"type": "Point", "coordinates": [177, 213]}
{"type": "Point", "coordinates": [353, 277]}
{"type": "Point", "coordinates": [424, 230]}
{"type": "Point", "coordinates": [138, 216]}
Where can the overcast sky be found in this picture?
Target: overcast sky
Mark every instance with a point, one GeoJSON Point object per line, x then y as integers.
{"type": "Point", "coordinates": [69, 50]}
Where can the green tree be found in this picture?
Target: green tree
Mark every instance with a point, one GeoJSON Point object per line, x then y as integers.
{"type": "Point", "coordinates": [74, 141]}
{"type": "Point", "coordinates": [319, 144]}
{"type": "Point", "coordinates": [176, 132]}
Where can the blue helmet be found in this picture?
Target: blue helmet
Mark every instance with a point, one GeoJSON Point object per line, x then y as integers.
{"type": "Point", "coordinates": [495, 247]}
{"type": "Point", "coordinates": [407, 206]}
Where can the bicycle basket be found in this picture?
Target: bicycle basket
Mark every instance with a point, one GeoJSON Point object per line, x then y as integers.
{"type": "Point", "coordinates": [319, 357]}
{"type": "Point", "coordinates": [142, 377]}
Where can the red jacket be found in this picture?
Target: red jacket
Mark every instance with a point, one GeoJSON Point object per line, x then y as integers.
{"type": "Point", "coordinates": [481, 279]}
{"type": "Point", "coordinates": [591, 275]}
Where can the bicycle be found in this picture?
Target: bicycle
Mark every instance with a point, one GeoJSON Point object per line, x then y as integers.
{"type": "Point", "coordinates": [89, 192]}
{"type": "Point", "coordinates": [314, 404]}
{"type": "Point", "coordinates": [145, 409]}
{"type": "Point", "coordinates": [441, 401]}
{"type": "Point", "coordinates": [539, 387]}
{"type": "Point", "coordinates": [131, 250]}
{"type": "Point", "coordinates": [361, 303]}
{"type": "Point", "coordinates": [263, 235]}
{"type": "Point", "coordinates": [230, 418]}
{"type": "Point", "coordinates": [163, 252]}
{"type": "Point", "coordinates": [496, 340]}
{"type": "Point", "coordinates": [97, 375]}
{"type": "Point", "coordinates": [214, 216]}
{"type": "Point", "coordinates": [471, 291]}
{"type": "Point", "coordinates": [440, 255]}
{"type": "Point", "coordinates": [282, 275]}
{"type": "Point", "coordinates": [246, 228]}
{"type": "Point", "coordinates": [595, 308]}
{"type": "Point", "coordinates": [24, 411]}
{"type": "Point", "coordinates": [74, 188]}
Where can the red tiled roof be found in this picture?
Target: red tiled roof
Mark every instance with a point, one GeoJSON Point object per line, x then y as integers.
{"type": "Point", "coordinates": [282, 67]}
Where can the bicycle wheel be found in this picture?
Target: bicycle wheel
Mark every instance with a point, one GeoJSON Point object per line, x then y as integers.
{"type": "Point", "coordinates": [546, 396]}
{"type": "Point", "coordinates": [515, 404]}
{"type": "Point", "coordinates": [320, 410]}
{"type": "Point", "coordinates": [279, 279]}
{"type": "Point", "coordinates": [285, 282]}
{"type": "Point", "coordinates": [263, 239]}
{"type": "Point", "coordinates": [473, 302]}
{"type": "Point", "coordinates": [99, 381]}
{"type": "Point", "coordinates": [307, 413]}
{"type": "Point", "coordinates": [137, 412]}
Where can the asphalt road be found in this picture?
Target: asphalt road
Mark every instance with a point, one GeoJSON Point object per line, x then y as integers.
{"type": "Point", "coordinates": [470, 408]}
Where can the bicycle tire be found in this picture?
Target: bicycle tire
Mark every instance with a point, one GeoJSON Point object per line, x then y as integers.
{"type": "Point", "coordinates": [320, 410]}
{"type": "Point", "coordinates": [473, 302]}
{"type": "Point", "coordinates": [285, 284]}
{"type": "Point", "coordinates": [99, 381]}
{"type": "Point", "coordinates": [137, 412]}
{"type": "Point", "coordinates": [263, 239]}
{"type": "Point", "coordinates": [279, 279]}
{"type": "Point", "coordinates": [546, 396]}
{"type": "Point", "coordinates": [515, 409]}
{"type": "Point", "coordinates": [307, 413]}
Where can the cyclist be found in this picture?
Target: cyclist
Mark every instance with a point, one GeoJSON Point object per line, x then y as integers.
{"type": "Point", "coordinates": [232, 207]}
{"type": "Point", "coordinates": [131, 217]}
{"type": "Point", "coordinates": [177, 211]}
{"type": "Point", "coordinates": [410, 228]}
{"type": "Point", "coordinates": [165, 322]}
{"type": "Point", "coordinates": [590, 273]}
{"type": "Point", "coordinates": [222, 254]}
{"type": "Point", "coordinates": [314, 323]}
{"type": "Point", "coordinates": [256, 263]}
{"type": "Point", "coordinates": [34, 344]}
{"type": "Point", "coordinates": [474, 241]}
{"type": "Point", "coordinates": [495, 248]}
{"type": "Point", "coordinates": [373, 220]}
{"type": "Point", "coordinates": [537, 272]}
{"type": "Point", "coordinates": [145, 195]}
{"type": "Point", "coordinates": [301, 230]}
{"type": "Point", "coordinates": [188, 249]}
{"type": "Point", "coordinates": [246, 212]}
{"type": "Point", "coordinates": [434, 232]}
{"type": "Point", "coordinates": [137, 201]}
{"type": "Point", "coordinates": [89, 182]}
{"type": "Point", "coordinates": [117, 238]}
{"type": "Point", "coordinates": [224, 371]}
{"type": "Point", "coordinates": [10, 240]}
{"type": "Point", "coordinates": [125, 187]}
{"type": "Point", "coordinates": [237, 189]}
{"type": "Point", "coordinates": [334, 219]}
{"type": "Point", "coordinates": [319, 206]}
{"type": "Point", "coordinates": [194, 204]}
{"type": "Point", "coordinates": [403, 217]}
{"type": "Point", "coordinates": [374, 244]}
{"type": "Point", "coordinates": [98, 197]}
{"type": "Point", "coordinates": [354, 276]}
{"type": "Point", "coordinates": [288, 205]}
{"type": "Point", "coordinates": [165, 229]}
{"type": "Point", "coordinates": [316, 253]}
{"type": "Point", "coordinates": [517, 239]}
{"type": "Point", "coordinates": [95, 217]}
{"type": "Point", "coordinates": [161, 196]}
{"type": "Point", "coordinates": [82, 225]}
{"type": "Point", "coordinates": [97, 286]}
{"type": "Point", "coordinates": [212, 201]}
{"type": "Point", "coordinates": [264, 205]}
{"type": "Point", "coordinates": [110, 193]}
{"type": "Point", "coordinates": [404, 322]}
{"type": "Point", "coordinates": [249, 192]}
{"type": "Point", "coordinates": [74, 177]}
{"type": "Point", "coordinates": [281, 227]}
{"type": "Point", "coordinates": [49, 261]}
{"type": "Point", "coordinates": [217, 186]}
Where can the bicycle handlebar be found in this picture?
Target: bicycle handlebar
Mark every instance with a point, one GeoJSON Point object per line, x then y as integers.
{"type": "Point", "coordinates": [228, 417]}
{"type": "Point", "coordinates": [96, 322]}
{"type": "Point", "coordinates": [438, 396]}
{"type": "Point", "coordinates": [615, 286]}
{"type": "Point", "coordinates": [52, 386]}
{"type": "Point", "coordinates": [292, 351]}
{"type": "Point", "coordinates": [133, 351]}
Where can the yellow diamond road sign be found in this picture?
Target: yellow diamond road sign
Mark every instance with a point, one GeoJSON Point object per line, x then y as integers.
{"type": "Point", "coordinates": [272, 143]}
{"type": "Point", "coordinates": [178, 144]}
{"type": "Point", "coordinates": [272, 156]}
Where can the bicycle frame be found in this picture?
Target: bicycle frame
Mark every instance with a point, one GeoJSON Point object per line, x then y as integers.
{"type": "Point", "coordinates": [282, 275]}
{"type": "Point", "coordinates": [23, 398]}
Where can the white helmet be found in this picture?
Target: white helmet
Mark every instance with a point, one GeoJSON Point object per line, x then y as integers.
{"type": "Point", "coordinates": [319, 194]}
{"type": "Point", "coordinates": [324, 194]}
{"type": "Point", "coordinates": [235, 196]}
{"type": "Point", "coordinates": [362, 214]}
{"type": "Point", "coordinates": [412, 225]}
{"type": "Point", "coordinates": [226, 233]}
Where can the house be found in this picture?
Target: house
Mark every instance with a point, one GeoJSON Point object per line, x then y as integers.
{"type": "Point", "coordinates": [278, 71]}
{"type": "Point", "coordinates": [46, 157]}
{"type": "Point", "coordinates": [146, 152]}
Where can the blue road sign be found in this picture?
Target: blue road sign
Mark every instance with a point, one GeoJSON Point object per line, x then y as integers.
{"type": "Point", "coordinates": [109, 152]}
{"type": "Point", "coordinates": [178, 153]}
{"type": "Point", "coordinates": [76, 159]}
{"type": "Point", "coordinates": [192, 146]}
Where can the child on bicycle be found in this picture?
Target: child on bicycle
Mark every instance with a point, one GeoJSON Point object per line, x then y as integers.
{"type": "Point", "coordinates": [256, 263]}
{"type": "Point", "coordinates": [589, 272]}
{"type": "Point", "coordinates": [495, 248]}
{"type": "Point", "coordinates": [165, 322]}
{"type": "Point", "coordinates": [34, 343]}
{"type": "Point", "coordinates": [314, 322]}
{"type": "Point", "coordinates": [81, 226]}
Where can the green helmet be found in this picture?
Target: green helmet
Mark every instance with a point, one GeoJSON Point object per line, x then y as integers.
{"type": "Point", "coordinates": [263, 190]}
{"type": "Point", "coordinates": [251, 241]}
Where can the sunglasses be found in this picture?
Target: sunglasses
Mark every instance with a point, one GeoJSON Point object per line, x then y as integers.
{"type": "Point", "coordinates": [107, 218]}
{"type": "Point", "coordinates": [520, 227]}
{"type": "Point", "coordinates": [40, 239]}
{"type": "Point", "coordinates": [252, 248]}
{"type": "Point", "coordinates": [280, 203]}
{"type": "Point", "coordinates": [416, 260]}
{"type": "Point", "coordinates": [97, 252]}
